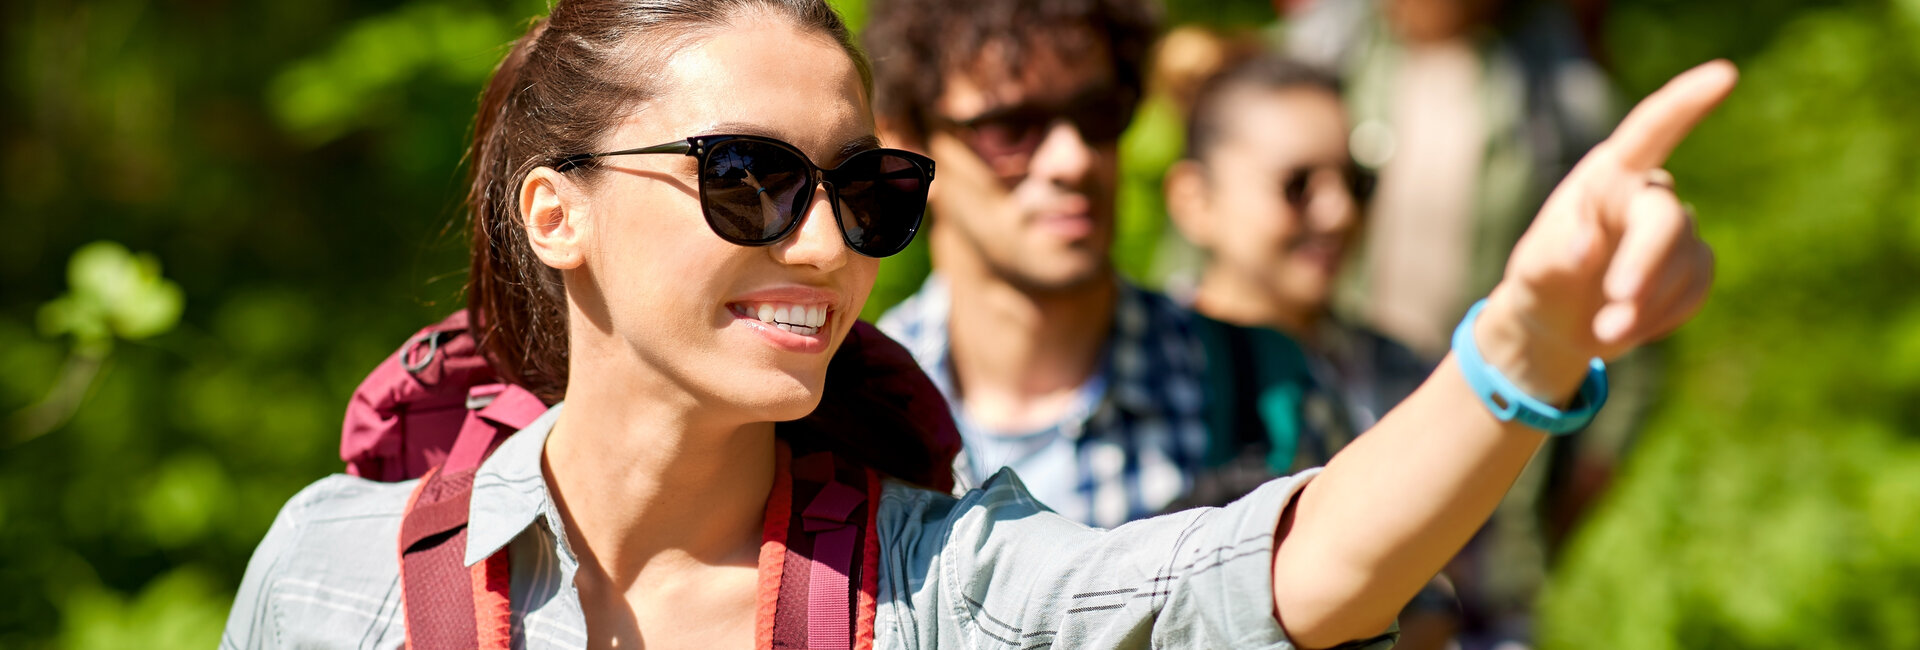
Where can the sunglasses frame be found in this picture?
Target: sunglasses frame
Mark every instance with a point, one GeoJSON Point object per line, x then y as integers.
{"type": "Point", "coordinates": [1037, 119]}
{"type": "Point", "coordinates": [701, 147]}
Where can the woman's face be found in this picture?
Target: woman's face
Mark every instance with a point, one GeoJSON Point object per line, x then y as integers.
{"type": "Point", "coordinates": [1282, 214]}
{"type": "Point", "coordinates": [655, 283]}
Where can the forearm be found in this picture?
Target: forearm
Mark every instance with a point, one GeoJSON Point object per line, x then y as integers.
{"type": "Point", "coordinates": [1612, 260]}
{"type": "Point", "coordinates": [1395, 505]}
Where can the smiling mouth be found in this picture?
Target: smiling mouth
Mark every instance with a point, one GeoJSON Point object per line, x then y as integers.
{"type": "Point", "coordinates": [800, 319]}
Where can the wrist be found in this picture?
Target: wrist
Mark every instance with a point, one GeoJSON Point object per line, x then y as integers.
{"type": "Point", "coordinates": [1518, 345]}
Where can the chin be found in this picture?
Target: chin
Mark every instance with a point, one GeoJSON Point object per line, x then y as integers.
{"type": "Point", "coordinates": [780, 397]}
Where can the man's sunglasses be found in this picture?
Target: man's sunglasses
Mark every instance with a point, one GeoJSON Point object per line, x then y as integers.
{"type": "Point", "coordinates": [756, 190]}
{"type": "Point", "coordinates": [1006, 137]}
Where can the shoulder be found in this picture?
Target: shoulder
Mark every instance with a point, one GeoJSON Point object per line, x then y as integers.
{"type": "Point", "coordinates": [327, 569]}
{"type": "Point", "coordinates": [923, 528]}
{"type": "Point", "coordinates": [341, 509]}
{"type": "Point", "coordinates": [926, 308]}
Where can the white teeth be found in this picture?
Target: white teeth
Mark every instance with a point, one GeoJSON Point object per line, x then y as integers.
{"type": "Point", "coordinates": [803, 319]}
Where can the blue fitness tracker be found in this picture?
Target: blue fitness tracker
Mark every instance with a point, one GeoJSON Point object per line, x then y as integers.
{"type": "Point", "coordinates": [1509, 403]}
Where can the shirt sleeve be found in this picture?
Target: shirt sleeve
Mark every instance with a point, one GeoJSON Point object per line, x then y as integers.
{"type": "Point", "coordinates": [325, 574]}
{"type": "Point", "coordinates": [997, 569]}
{"type": "Point", "coordinates": [248, 623]}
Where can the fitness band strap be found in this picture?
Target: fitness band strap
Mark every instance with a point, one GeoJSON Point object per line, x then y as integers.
{"type": "Point", "coordinates": [1509, 403]}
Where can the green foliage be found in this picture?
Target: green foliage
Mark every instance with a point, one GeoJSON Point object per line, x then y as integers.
{"type": "Point", "coordinates": [1774, 501]}
{"type": "Point", "coordinates": [113, 293]}
{"type": "Point", "coordinates": [294, 168]}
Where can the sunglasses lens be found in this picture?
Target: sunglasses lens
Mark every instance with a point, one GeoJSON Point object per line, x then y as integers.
{"type": "Point", "coordinates": [751, 191]}
{"type": "Point", "coordinates": [1103, 121]}
{"type": "Point", "coordinates": [882, 197]}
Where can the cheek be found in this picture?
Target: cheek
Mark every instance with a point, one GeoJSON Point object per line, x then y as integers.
{"type": "Point", "coordinates": [639, 249]}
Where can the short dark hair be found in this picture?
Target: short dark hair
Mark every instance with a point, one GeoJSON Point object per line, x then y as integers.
{"type": "Point", "coordinates": [1270, 72]}
{"type": "Point", "coordinates": [915, 43]}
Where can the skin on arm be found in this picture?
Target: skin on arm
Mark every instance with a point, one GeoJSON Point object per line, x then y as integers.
{"type": "Point", "coordinates": [1611, 262]}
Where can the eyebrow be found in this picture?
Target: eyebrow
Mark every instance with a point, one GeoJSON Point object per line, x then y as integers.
{"type": "Point", "coordinates": [847, 149]}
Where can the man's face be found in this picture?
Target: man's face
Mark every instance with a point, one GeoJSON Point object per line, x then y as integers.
{"type": "Point", "coordinates": [1028, 165]}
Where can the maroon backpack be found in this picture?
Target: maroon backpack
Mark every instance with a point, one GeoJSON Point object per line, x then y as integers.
{"type": "Point", "coordinates": [435, 409]}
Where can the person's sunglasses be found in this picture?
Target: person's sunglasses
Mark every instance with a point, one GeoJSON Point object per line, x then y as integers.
{"type": "Point", "coordinates": [755, 190]}
{"type": "Point", "coordinates": [1006, 137]}
{"type": "Point", "coordinates": [1297, 187]}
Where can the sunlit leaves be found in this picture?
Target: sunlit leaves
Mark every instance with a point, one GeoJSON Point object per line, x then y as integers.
{"type": "Point", "coordinates": [1772, 502]}
{"type": "Point", "coordinates": [356, 81]}
{"type": "Point", "coordinates": [112, 293]}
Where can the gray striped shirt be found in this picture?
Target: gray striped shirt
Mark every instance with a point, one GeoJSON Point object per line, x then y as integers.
{"type": "Point", "coordinates": [991, 569]}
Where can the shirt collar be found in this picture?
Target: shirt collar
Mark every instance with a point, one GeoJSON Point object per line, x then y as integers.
{"type": "Point", "coordinates": [1139, 318]}
{"type": "Point", "coordinates": [510, 492]}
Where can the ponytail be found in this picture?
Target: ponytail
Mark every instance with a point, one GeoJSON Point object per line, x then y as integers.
{"type": "Point", "coordinates": [517, 303]}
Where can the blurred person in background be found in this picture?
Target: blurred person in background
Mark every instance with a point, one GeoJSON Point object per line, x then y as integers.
{"type": "Point", "coordinates": [1107, 398]}
{"type": "Point", "coordinates": [1267, 190]}
{"type": "Point", "coordinates": [1472, 110]}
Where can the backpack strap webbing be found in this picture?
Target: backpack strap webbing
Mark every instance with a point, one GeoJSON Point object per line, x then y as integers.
{"type": "Point", "coordinates": [827, 579]}
{"type": "Point", "coordinates": [448, 605]}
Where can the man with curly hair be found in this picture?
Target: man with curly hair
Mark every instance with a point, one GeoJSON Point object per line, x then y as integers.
{"type": "Point", "coordinates": [1096, 392]}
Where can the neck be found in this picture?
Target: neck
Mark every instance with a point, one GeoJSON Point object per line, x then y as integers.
{"type": "Point", "coordinates": [1224, 297]}
{"type": "Point", "coordinates": [644, 481]}
{"type": "Point", "coordinates": [1019, 355]}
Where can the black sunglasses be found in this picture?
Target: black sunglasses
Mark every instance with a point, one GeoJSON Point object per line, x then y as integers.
{"type": "Point", "coordinates": [755, 190]}
{"type": "Point", "coordinates": [1006, 137]}
{"type": "Point", "coordinates": [1358, 180]}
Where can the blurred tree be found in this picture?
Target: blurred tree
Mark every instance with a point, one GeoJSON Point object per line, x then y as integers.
{"type": "Point", "coordinates": [294, 166]}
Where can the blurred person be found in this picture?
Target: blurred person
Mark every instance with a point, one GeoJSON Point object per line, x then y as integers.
{"type": "Point", "coordinates": [611, 271]}
{"type": "Point", "coordinates": [1267, 190]}
{"type": "Point", "coordinates": [1097, 392]}
{"type": "Point", "coordinates": [1472, 110]}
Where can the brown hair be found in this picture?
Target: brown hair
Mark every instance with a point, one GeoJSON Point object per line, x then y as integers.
{"type": "Point", "coordinates": [1270, 72]}
{"type": "Point", "coordinates": [916, 43]}
{"type": "Point", "coordinates": [568, 81]}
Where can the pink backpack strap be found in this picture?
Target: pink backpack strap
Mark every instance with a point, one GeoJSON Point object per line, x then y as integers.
{"type": "Point", "coordinates": [448, 605]}
{"type": "Point", "coordinates": [828, 584]}
{"type": "Point", "coordinates": [494, 411]}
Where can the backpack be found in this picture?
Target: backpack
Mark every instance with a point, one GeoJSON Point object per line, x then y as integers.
{"type": "Point", "coordinates": [435, 409]}
{"type": "Point", "coordinates": [1259, 386]}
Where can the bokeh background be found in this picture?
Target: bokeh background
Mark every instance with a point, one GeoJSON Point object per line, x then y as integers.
{"type": "Point", "coordinates": [219, 215]}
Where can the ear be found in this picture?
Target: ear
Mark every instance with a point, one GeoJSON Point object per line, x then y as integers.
{"type": "Point", "coordinates": [554, 214]}
{"type": "Point", "coordinates": [1187, 202]}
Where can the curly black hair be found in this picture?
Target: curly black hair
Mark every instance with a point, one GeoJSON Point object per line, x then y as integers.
{"type": "Point", "coordinates": [914, 44]}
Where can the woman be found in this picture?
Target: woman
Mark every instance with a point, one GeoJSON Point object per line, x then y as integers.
{"type": "Point", "coordinates": [651, 291]}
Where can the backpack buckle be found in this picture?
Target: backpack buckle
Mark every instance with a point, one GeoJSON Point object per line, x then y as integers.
{"type": "Point", "coordinates": [432, 340]}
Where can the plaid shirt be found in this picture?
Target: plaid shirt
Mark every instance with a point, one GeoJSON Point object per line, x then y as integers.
{"type": "Point", "coordinates": [1141, 435]}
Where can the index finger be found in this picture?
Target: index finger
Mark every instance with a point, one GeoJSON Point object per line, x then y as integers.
{"type": "Point", "coordinates": [1657, 125]}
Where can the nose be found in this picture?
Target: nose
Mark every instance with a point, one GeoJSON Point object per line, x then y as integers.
{"type": "Point", "coordinates": [1331, 207]}
{"type": "Point", "coordinates": [818, 242]}
{"type": "Point", "coordinates": [1064, 157]}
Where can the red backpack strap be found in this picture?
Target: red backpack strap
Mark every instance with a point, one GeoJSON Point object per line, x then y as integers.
{"type": "Point", "coordinates": [494, 411]}
{"type": "Point", "coordinates": [827, 582]}
{"type": "Point", "coordinates": [448, 605]}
